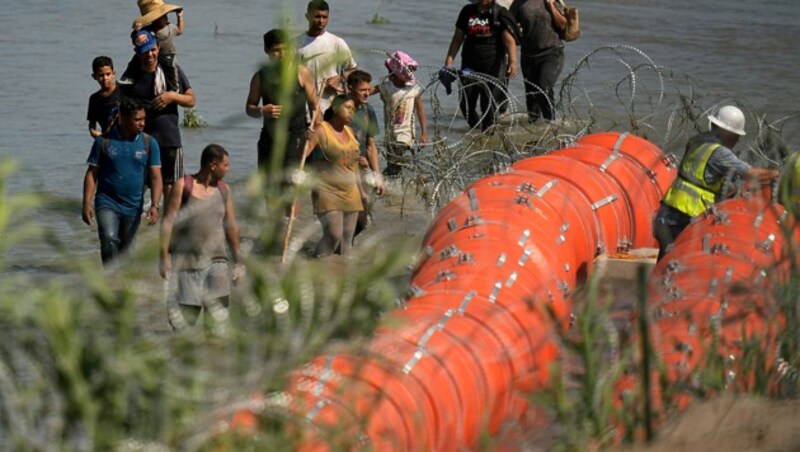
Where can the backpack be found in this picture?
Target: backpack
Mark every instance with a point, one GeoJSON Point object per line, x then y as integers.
{"type": "Point", "coordinates": [107, 141]}
{"type": "Point", "coordinates": [188, 186]}
{"type": "Point", "coordinates": [506, 22]}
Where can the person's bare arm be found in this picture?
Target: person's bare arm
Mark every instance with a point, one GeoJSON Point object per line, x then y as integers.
{"type": "Point", "coordinates": [181, 22]}
{"type": "Point", "coordinates": [511, 50]}
{"type": "Point", "coordinates": [762, 175]}
{"type": "Point", "coordinates": [360, 185]}
{"type": "Point", "coordinates": [455, 45]}
{"type": "Point", "coordinates": [316, 138]}
{"type": "Point", "coordinates": [93, 130]}
{"type": "Point", "coordinates": [232, 231]}
{"type": "Point", "coordinates": [171, 208]}
{"type": "Point", "coordinates": [374, 164]}
{"type": "Point", "coordinates": [89, 186]}
{"type": "Point", "coordinates": [156, 188]}
{"type": "Point", "coordinates": [252, 106]}
{"type": "Point", "coordinates": [307, 82]}
{"type": "Point", "coordinates": [423, 122]}
{"type": "Point", "coordinates": [559, 20]}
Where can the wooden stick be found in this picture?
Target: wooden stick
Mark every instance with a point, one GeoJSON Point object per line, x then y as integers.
{"type": "Point", "coordinates": [293, 210]}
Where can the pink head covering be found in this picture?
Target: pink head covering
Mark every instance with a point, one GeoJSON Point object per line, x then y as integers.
{"type": "Point", "coordinates": [402, 66]}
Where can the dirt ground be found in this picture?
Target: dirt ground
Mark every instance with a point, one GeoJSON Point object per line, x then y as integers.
{"type": "Point", "coordinates": [732, 423]}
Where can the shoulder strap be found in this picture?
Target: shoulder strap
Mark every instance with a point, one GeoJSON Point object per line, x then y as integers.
{"type": "Point", "coordinates": [146, 144]}
{"type": "Point", "coordinates": [104, 145]}
{"type": "Point", "coordinates": [495, 14]}
{"type": "Point", "coordinates": [188, 185]}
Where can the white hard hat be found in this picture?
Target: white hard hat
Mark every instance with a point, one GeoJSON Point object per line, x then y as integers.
{"type": "Point", "coordinates": [729, 118]}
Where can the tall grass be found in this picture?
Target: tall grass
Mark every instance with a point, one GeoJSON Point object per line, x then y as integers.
{"type": "Point", "coordinates": [87, 362]}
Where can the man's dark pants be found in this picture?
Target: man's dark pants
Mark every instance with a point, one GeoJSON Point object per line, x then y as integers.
{"type": "Point", "coordinates": [540, 74]}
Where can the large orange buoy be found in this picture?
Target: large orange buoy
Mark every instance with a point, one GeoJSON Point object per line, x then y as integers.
{"type": "Point", "coordinates": [488, 299]}
{"type": "Point", "coordinates": [713, 297]}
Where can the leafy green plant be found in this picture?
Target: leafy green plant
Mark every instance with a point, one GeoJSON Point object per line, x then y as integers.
{"type": "Point", "coordinates": [193, 120]}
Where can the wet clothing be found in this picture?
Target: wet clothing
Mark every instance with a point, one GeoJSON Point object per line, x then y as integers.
{"type": "Point", "coordinates": [122, 164]}
{"type": "Point", "coordinates": [484, 55]}
{"type": "Point", "coordinates": [269, 78]}
{"type": "Point", "coordinates": [705, 171]}
{"type": "Point", "coordinates": [337, 188]}
{"type": "Point", "coordinates": [539, 33]}
{"type": "Point", "coordinates": [162, 124]}
{"type": "Point", "coordinates": [399, 107]}
{"type": "Point", "coordinates": [171, 164]}
{"type": "Point", "coordinates": [483, 48]}
{"type": "Point", "coordinates": [103, 109]}
{"type": "Point", "coordinates": [542, 56]}
{"type": "Point", "coordinates": [540, 75]}
{"type": "Point", "coordinates": [365, 126]}
{"type": "Point", "coordinates": [199, 235]}
{"type": "Point", "coordinates": [115, 231]}
{"type": "Point", "coordinates": [198, 287]}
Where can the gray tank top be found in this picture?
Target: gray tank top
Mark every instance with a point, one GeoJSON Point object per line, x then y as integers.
{"type": "Point", "coordinates": [199, 234]}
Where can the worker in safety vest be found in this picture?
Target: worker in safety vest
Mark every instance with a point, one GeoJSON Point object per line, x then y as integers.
{"type": "Point", "coordinates": [706, 170]}
{"type": "Point", "coordinates": [789, 194]}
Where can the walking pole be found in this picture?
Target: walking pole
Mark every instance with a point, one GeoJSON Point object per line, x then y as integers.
{"type": "Point", "coordinates": [293, 210]}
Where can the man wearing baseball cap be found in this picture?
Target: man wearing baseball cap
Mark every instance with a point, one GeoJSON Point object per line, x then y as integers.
{"type": "Point", "coordinates": [147, 84]}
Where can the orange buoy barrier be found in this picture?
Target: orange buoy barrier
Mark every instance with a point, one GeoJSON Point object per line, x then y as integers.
{"type": "Point", "coordinates": [493, 283]}
{"type": "Point", "coordinates": [713, 297]}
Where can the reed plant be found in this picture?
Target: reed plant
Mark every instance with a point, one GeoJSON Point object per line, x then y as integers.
{"type": "Point", "coordinates": [88, 362]}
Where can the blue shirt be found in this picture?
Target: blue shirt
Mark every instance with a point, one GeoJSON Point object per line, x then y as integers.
{"type": "Point", "coordinates": [122, 166]}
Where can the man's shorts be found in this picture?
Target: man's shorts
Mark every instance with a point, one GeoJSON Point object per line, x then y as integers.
{"type": "Point", "coordinates": [197, 286]}
{"type": "Point", "coordinates": [171, 164]}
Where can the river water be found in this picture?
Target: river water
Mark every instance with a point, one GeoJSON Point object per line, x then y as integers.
{"type": "Point", "coordinates": [731, 50]}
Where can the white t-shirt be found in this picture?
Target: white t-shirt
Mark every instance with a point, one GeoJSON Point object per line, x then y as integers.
{"type": "Point", "coordinates": [398, 111]}
{"type": "Point", "coordinates": [325, 56]}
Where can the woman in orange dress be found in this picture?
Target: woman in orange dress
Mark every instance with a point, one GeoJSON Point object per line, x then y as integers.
{"type": "Point", "coordinates": [338, 196]}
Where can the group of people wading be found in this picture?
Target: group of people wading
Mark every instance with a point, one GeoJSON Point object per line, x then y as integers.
{"type": "Point", "coordinates": [313, 101]}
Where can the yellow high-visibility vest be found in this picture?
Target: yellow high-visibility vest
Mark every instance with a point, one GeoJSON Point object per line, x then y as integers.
{"type": "Point", "coordinates": [690, 193]}
{"type": "Point", "coordinates": [789, 194]}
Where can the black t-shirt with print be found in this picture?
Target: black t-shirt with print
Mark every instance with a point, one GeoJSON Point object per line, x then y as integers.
{"type": "Point", "coordinates": [483, 43]}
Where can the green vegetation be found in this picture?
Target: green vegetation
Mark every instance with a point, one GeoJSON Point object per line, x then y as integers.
{"type": "Point", "coordinates": [377, 19]}
{"type": "Point", "coordinates": [192, 120]}
{"type": "Point", "coordinates": [89, 363]}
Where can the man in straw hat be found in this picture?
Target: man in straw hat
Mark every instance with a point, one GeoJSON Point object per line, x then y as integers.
{"type": "Point", "coordinates": [705, 171]}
